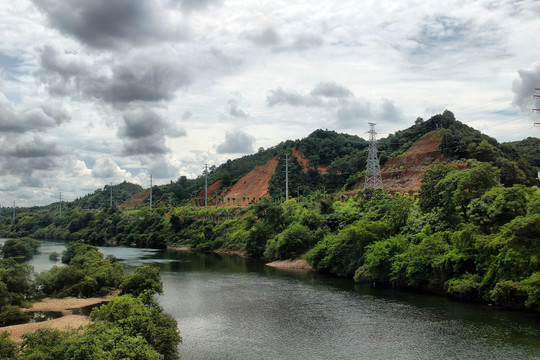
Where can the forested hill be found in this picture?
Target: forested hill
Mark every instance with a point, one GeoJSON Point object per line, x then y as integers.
{"type": "Point", "coordinates": [529, 148]}
{"type": "Point", "coordinates": [331, 161]}
{"type": "Point", "coordinates": [471, 231]}
{"type": "Point", "coordinates": [325, 161]}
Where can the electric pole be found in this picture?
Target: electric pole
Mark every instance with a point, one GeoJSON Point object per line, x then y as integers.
{"type": "Point", "coordinates": [286, 177]}
{"type": "Point", "coordinates": [535, 96]}
{"type": "Point", "coordinates": [60, 203]}
{"type": "Point", "coordinates": [205, 184]}
{"type": "Point", "coordinates": [13, 212]}
{"type": "Point", "coordinates": [373, 178]}
{"type": "Point", "coordinates": [150, 191]}
{"type": "Point", "coordinates": [111, 196]}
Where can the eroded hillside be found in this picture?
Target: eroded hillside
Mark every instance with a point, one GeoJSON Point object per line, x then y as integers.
{"type": "Point", "coordinates": [404, 173]}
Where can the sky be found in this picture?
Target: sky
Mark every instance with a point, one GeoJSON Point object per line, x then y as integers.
{"type": "Point", "coordinates": [102, 91]}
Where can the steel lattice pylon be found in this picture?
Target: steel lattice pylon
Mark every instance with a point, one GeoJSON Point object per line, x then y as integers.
{"type": "Point", "coordinates": [373, 178]}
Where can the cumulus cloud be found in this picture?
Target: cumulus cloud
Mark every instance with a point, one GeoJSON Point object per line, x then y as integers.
{"type": "Point", "coordinates": [524, 88]}
{"type": "Point", "coordinates": [195, 5]}
{"type": "Point", "coordinates": [140, 77]}
{"type": "Point", "coordinates": [270, 38]}
{"type": "Point", "coordinates": [350, 112]}
{"type": "Point", "coordinates": [106, 24]}
{"type": "Point", "coordinates": [144, 132]}
{"type": "Point", "coordinates": [331, 89]}
{"type": "Point", "coordinates": [339, 101]}
{"type": "Point", "coordinates": [13, 120]}
{"type": "Point", "coordinates": [236, 142]}
{"type": "Point", "coordinates": [266, 37]}
{"type": "Point", "coordinates": [107, 168]}
{"type": "Point", "coordinates": [279, 96]}
{"type": "Point", "coordinates": [24, 155]}
{"type": "Point", "coordinates": [35, 147]}
{"type": "Point", "coordinates": [389, 111]}
{"type": "Point", "coordinates": [234, 109]}
{"type": "Point", "coordinates": [57, 112]}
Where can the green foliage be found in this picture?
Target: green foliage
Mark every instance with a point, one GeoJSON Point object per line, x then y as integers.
{"type": "Point", "coordinates": [341, 254]}
{"type": "Point", "coordinates": [145, 278]}
{"type": "Point", "coordinates": [143, 333]}
{"type": "Point", "coordinates": [136, 319]}
{"type": "Point", "coordinates": [21, 249]}
{"type": "Point", "coordinates": [290, 243]}
{"type": "Point", "coordinates": [87, 274]}
{"type": "Point", "coordinates": [460, 141]}
{"type": "Point", "coordinates": [529, 148]}
{"type": "Point", "coordinates": [11, 314]}
{"type": "Point", "coordinates": [8, 349]}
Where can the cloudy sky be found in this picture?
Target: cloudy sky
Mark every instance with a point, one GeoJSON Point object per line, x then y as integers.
{"type": "Point", "coordinates": [102, 91]}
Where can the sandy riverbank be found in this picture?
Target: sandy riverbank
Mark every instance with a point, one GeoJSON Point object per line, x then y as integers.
{"type": "Point", "coordinates": [291, 264]}
{"type": "Point", "coordinates": [64, 306]}
{"type": "Point", "coordinates": [179, 248]}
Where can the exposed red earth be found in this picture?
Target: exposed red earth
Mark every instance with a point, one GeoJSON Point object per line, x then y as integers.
{"type": "Point", "coordinates": [302, 160]}
{"type": "Point", "coordinates": [404, 173]}
{"type": "Point", "coordinates": [252, 186]}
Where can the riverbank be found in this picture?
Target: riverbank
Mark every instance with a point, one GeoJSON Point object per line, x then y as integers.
{"type": "Point", "coordinates": [290, 264]}
{"type": "Point", "coordinates": [65, 306]}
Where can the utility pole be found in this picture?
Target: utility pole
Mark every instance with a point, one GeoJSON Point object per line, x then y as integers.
{"type": "Point", "coordinates": [13, 212]}
{"type": "Point", "coordinates": [205, 184]}
{"type": "Point", "coordinates": [286, 177]}
{"type": "Point", "coordinates": [60, 203]}
{"type": "Point", "coordinates": [150, 191]}
{"type": "Point", "coordinates": [534, 98]}
{"type": "Point", "coordinates": [373, 178]}
{"type": "Point", "coordinates": [111, 196]}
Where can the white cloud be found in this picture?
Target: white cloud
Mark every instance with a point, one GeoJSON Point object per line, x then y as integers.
{"type": "Point", "coordinates": [127, 87]}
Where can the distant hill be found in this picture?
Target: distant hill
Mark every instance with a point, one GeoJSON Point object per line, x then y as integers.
{"type": "Point", "coordinates": [529, 148]}
{"type": "Point", "coordinates": [328, 161]}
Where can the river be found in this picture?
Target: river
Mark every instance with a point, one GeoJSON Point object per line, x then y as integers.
{"type": "Point", "coordinates": [230, 307]}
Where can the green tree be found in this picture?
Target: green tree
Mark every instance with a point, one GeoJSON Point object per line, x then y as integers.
{"type": "Point", "coordinates": [145, 278]}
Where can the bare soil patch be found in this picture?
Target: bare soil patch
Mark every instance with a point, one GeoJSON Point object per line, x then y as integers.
{"type": "Point", "coordinates": [291, 264]}
{"type": "Point", "coordinates": [252, 186]}
{"type": "Point", "coordinates": [66, 322]}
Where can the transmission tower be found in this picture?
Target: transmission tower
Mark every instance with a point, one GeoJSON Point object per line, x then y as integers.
{"type": "Point", "coordinates": [150, 191]}
{"type": "Point", "coordinates": [286, 177]}
{"type": "Point", "coordinates": [373, 178]}
{"type": "Point", "coordinates": [205, 184]}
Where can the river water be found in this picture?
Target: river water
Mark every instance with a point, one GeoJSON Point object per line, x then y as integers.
{"type": "Point", "coordinates": [234, 308]}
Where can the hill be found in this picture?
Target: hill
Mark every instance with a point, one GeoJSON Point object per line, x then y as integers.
{"type": "Point", "coordinates": [327, 161]}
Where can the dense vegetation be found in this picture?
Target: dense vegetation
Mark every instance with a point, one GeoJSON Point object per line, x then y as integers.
{"type": "Point", "coordinates": [130, 326]}
{"type": "Point", "coordinates": [470, 233]}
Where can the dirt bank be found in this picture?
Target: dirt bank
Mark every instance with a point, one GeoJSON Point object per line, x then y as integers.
{"type": "Point", "coordinates": [291, 264]}
{"type": "Point", "coordinates": [179, 248]}
{"type": "Point", "coordinates": [64, 306]}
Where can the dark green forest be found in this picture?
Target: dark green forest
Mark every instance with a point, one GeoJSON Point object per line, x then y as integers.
{"type": "Point", "coordinates": [472, 234]}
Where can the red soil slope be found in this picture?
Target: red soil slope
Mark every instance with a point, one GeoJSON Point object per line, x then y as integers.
{"type": "Point", "coordinates": [404, 173]}
{"type": "Point", "coordinates": [252, 186]}
{"type": "Point", "coordinates": [137, 199]}
{"type": "Point", "coordinates": [302, 160]}
{"type": "Point", "coordinates": [211, 192]}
